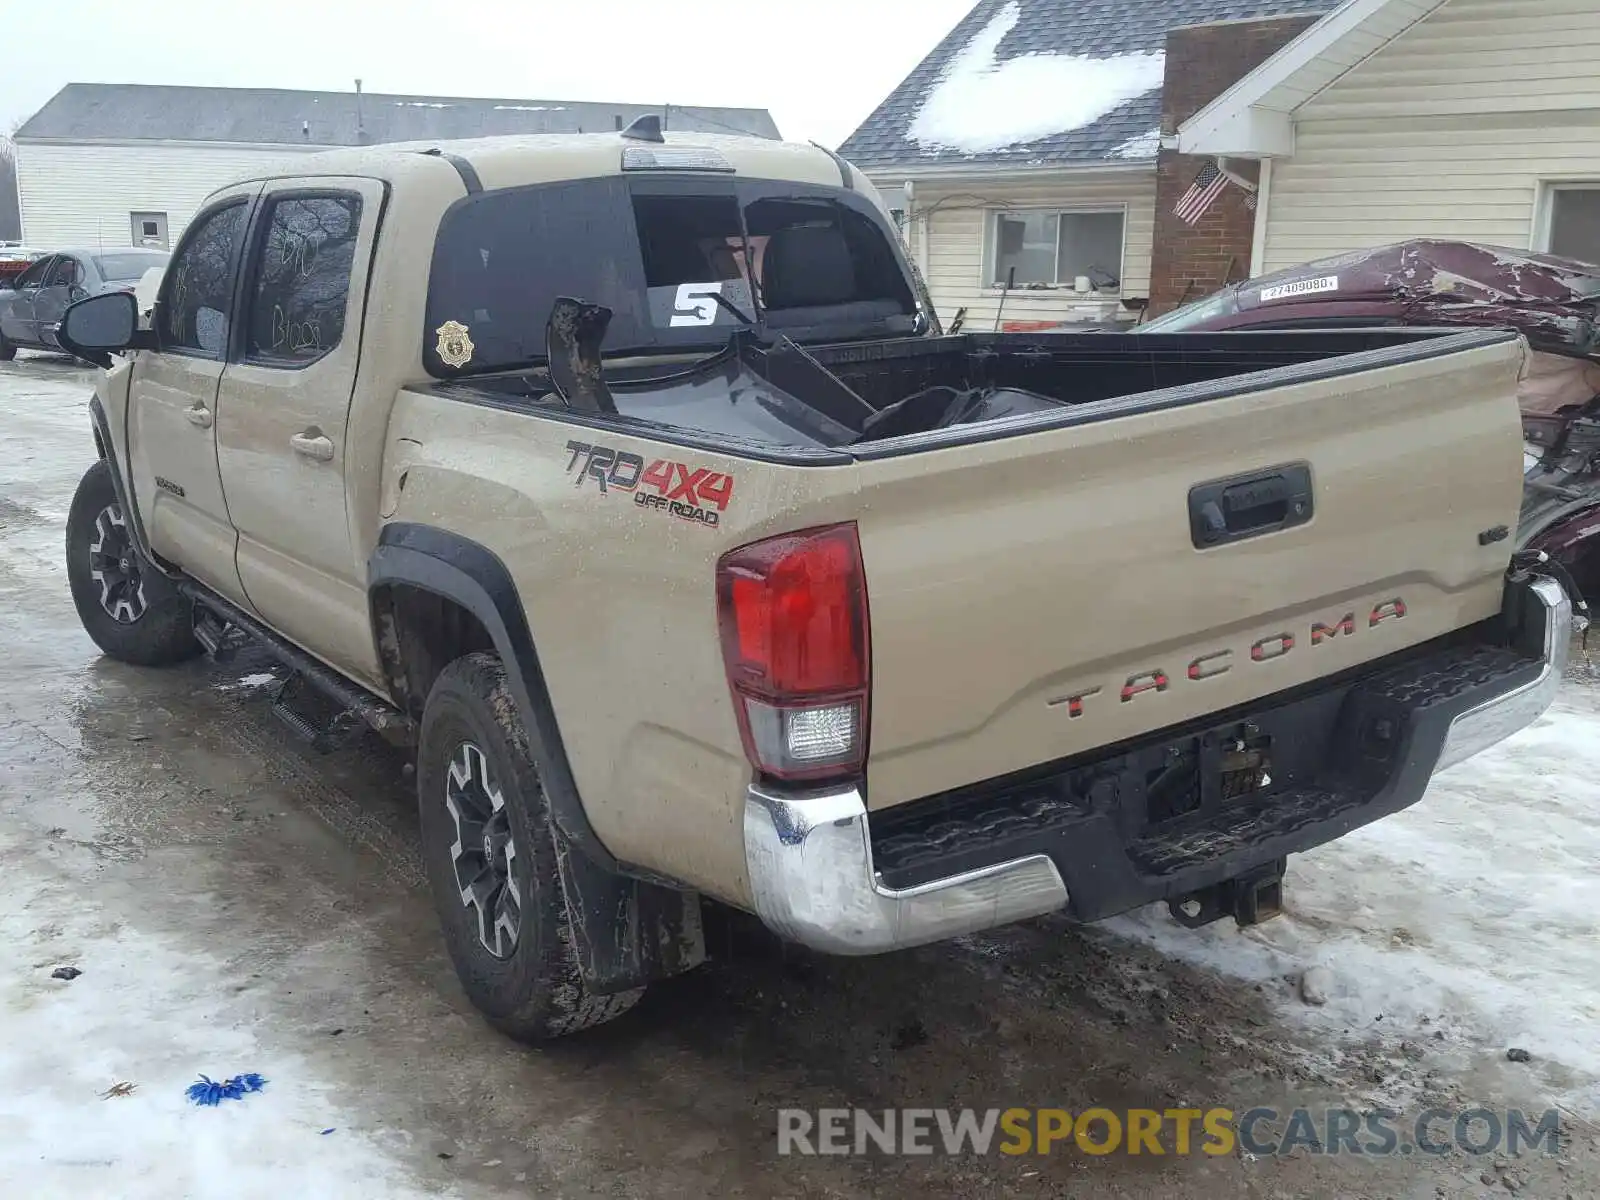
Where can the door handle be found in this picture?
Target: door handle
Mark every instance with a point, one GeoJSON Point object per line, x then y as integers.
{"type": "Point", "coordinates": [313, 445]}
{"type": "Point", "coordinates": [199, 416]}
{"type": "Point", "coordinates": [1246, 506]}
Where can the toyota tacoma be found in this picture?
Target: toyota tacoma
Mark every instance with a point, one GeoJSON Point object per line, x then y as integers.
{"type": "Point", "coordinates": [629, 481]}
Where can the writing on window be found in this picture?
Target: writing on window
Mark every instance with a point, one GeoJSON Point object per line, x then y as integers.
{"type": "Point", "coordinates": [198, 304]}
{"type": "Point", "coordinates": [302, 283]}
{"type": "Point", "coordinates": [1037, 248]}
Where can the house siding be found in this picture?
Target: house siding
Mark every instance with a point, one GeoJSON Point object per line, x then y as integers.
{"type": "Point", "coordinates": [82, 195]}
{"type": "Point", "coordinates": [1489, 56]}
{"type": "Point", "coordinates": [1449, 132]}
{"type": "Point", "coordinates": [955, 229]}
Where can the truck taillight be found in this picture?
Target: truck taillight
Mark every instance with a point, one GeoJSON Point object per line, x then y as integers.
{"type": "Point", "coordinates": [793, 612]}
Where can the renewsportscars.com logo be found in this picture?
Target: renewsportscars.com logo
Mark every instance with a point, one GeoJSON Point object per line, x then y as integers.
{"type": "Point", "coordinates": [1173, 1131]}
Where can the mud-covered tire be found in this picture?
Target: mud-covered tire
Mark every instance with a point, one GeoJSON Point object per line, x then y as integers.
{"type": "Point", "coordinates": [532, 988]}
{"type": "Point", "coordinates": [7, 350]}
{"type": "Point", "coordinates": [146, 622]}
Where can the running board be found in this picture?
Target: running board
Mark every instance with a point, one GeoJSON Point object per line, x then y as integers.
{"type": "Point", "coordinates": [217, 621]}
{"type": "Point", "coordinates": [323, 731]}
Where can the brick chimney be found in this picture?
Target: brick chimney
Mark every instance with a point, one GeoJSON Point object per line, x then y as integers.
{"type": "Point", "coordinates": [1203, 61]}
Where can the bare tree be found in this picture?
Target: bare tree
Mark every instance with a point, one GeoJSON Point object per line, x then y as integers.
{"type": "Point", "coordinates": [10, 218]}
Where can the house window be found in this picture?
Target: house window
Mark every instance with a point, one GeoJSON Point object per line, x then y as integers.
{"type": "Point", "coordinates": [1575, 222]}
{"type": "Point", "coordinates": [149, 229]}
{"type": "Point", "coordinates": [1053, 249]}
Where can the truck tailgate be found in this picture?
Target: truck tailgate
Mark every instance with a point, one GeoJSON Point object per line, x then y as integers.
{"type": "Point", "coordinates": [1037, 596]}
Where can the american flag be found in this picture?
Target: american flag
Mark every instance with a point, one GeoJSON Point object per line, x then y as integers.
{"type": "Point", "coordinates": [1207, 186]}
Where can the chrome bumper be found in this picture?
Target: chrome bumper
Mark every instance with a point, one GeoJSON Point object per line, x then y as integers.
{"type": "Point", "coordinates": [1495, 720]}
{"type": "Point", "coordinates": [809, 855]}
{"type": "Point", "coordinates": [810, 864]}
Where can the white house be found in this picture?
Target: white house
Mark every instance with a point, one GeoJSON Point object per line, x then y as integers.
{"type": "Point", "coordinates": [114, 164]}
{"type": "Point", "coordinates": [1476, 120]}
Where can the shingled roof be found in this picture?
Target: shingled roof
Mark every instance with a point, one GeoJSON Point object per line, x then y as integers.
{"type": "Point", "coordinates": [1079, 79]}
{"type": "Point", "coordinates": [268, 116]}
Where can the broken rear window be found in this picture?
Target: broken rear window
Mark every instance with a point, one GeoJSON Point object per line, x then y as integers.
{"type": "Point", "coordinates": [680, 262]}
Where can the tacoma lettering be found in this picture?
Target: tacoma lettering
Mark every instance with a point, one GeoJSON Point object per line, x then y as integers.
{"type": "Point", "coordinates": [1219, 662]}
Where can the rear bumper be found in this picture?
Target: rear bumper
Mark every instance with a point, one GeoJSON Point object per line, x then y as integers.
{"type": "Point", "coordinates": [1150, 821]}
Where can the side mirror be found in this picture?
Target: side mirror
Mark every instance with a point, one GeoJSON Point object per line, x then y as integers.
{"type": "Point", "coordinates": [92, 329]}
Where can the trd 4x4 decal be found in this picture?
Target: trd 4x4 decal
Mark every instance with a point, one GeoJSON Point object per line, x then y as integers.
{"type": "Point", "coordinates": [689, 493]}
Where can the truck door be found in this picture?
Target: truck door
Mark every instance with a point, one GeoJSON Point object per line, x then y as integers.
{"type": "Point", "coordinates": [172, 397]}
{"type": "Point", "coordinates": [283, 410]}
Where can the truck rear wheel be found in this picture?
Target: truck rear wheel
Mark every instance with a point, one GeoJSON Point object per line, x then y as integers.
{"type": "Point", "coordinates": [131, 610]}
{"type": "Point", "coordinates": [491, 860]}
{"type": "Point", "coordinates": [7, 350]}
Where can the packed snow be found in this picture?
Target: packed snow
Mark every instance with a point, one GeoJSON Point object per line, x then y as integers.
{"type": "Point", "coordinates": [93, 1069]}
{"type": "Point", "coordinates": [1146, 145]}
{"type": "Point", "coordinates": [1472, 913]}
{"type": "Point", "coordinates": [249, 683]}
{"type": "Point", "coordinates": [981, 105]}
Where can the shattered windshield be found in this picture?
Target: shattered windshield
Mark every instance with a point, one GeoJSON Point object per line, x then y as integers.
{"type": "Point", "coordinates": [680, 262]}
{"type": "Point", "coordinates": [1219, 305]}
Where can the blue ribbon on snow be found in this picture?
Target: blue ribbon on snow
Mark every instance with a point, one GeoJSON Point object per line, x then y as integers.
{"type": "Point", "coordinates": [209, 1093]}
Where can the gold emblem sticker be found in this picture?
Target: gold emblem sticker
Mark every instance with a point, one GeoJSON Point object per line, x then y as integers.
{"type": "Point", "coordinates": [455, 347]}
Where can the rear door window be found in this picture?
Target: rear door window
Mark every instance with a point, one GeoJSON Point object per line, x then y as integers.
{"type": "Point", "coordinates": [302, 279]}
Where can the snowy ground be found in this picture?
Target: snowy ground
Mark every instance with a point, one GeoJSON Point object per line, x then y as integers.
{"type": "Point", "coordinates": [1475, 911]}
{"type": "Point", "coordinates": [236, 904]}
{"type": "Point", "coordinates": [153, 1014]}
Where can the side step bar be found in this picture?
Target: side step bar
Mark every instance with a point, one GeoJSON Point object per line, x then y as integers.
{"type": "Point", "coordinates": [213, 616]}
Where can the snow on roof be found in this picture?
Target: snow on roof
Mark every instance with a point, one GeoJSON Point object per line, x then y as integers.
{"type": "Point", "coordinates": [1144, 146]}
{"type": "Point", "coordinates": [981, 104]}
{"type": "Point", "coordinates": [1072, 52]}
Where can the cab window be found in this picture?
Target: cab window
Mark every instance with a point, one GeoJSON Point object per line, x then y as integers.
{"type": "Point", "coordinates": [197, 301]}
{"type": "Point", "coordinates": [302, 281]}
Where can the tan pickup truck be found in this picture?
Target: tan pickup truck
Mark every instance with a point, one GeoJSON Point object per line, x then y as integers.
{"type": "Point", "coordinates": [630, 481]}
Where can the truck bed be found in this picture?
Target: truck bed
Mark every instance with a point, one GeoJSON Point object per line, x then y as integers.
{"type": "Point", "coordinates": [895, 396]}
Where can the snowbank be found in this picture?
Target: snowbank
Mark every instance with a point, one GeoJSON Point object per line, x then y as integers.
{"type": "Point", "coordinates": [981, 105]}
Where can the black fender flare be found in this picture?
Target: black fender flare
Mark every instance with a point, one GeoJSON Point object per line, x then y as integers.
{"type": "Point", "coordinates": [629, 928]}
{"type": "Point", "coordinates": [106, 446]}
{"type": "Point", "coordinates": [474, 577]}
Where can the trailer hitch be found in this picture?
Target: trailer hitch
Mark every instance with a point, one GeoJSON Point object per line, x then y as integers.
{"type": "Point", "coordinates": [1250, 898]}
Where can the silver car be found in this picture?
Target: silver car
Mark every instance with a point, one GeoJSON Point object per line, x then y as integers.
{"type": "Point", "coordinates": [31, 307]}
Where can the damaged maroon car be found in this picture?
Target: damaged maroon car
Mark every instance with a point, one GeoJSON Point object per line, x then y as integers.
{"type": "Point", "coordinates": [1553, 302]}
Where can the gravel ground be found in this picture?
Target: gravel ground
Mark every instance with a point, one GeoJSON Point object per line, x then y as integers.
{"type": "Point", "coordinates": [237, 903]}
